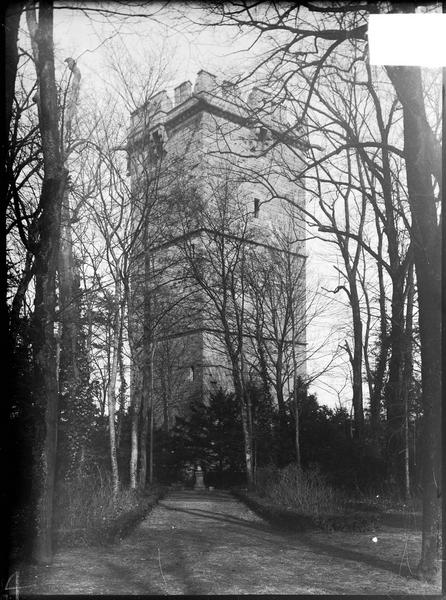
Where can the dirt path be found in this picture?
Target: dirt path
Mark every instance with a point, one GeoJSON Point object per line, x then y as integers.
{"type": "Point", "coordinates": [209, 543]}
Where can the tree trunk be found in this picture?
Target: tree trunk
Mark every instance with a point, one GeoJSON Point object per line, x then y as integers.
{"type": "Point", "coordinates": [135, 396]}
{"type": "Point", "coordinates": [408, 376]}
{"type": "Point", "coordinates": [43, 339]}
{"type": "Point", "coordinates": [263, 364]}
{"type": "Point", "coordinates": [147, 357]}
{"type": "Point", "coordinates": [166, 392]}
{"type": "Point", "coordinates": [135, 412]}
{"type": "Point", "coordinates": [384, 343]}
{"type": "Point", "coordinates": [247, 436]}
{"type": "Point", "coordinates": [280, 399]}
{"type": "Point", "coordinates": [151, 414]}
{"type": "Point", "coordinates": [70, 383]}
{"type": "Point", "coordinates": [356, 362]}
{"type": "Point", "coordinates": [165, 398]}
{"type": "Point", "coordinates": [68, 277]}
{"type": "Point", "coordinates": [295, 394]}
{"type": "Point", "coordinates": [351, 261]}
{"type": "Point", "coordinates": [422, 162]}
{"type": "Point", "coordinates": [142, 476]}
{"type": "Point", "coordinates": [151, 433]}
{"type": "Point", "coordinates": [394, 394]}
{"type": "Point", "coordinates": [69, 311]}
{"type": "Point", "coordinates": [378, 383]}
{"type": "Point", "coordinates": [112, 390]}
{"type": "Point", "coordinates": [146, 411]}
{"type": "Point", "coordinates": [122, 386]}
{"type": "Point", "coordinates": [246, 426]}
{"type": "Point", "coordinates": [297, 424]}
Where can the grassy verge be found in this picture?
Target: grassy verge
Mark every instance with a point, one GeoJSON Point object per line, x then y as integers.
{"type": "Point", "coordinates": [87, 513]}
{"type": "Point", "coordinates": [290, 519]}
{"type": "Point", "coordinates": [303, 501]}
{"type": "Point", "coordinates": [394, 512]}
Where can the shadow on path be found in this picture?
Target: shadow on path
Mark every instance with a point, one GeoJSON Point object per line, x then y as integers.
{"type": "Point", "coordinates": [223, 517]}
{"type": "Point", "coordinates": [293, 539]}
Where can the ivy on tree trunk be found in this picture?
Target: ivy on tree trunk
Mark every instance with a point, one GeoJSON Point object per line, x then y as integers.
{"type": "Point", "coordinates": [45, 388]}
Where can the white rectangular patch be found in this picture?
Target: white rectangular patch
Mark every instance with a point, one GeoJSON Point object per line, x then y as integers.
{"type": "Point", "coordinates": [417, 39]}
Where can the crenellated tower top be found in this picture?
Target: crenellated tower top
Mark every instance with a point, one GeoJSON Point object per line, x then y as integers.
{"type": "Point", "coordinates": [220, 97]}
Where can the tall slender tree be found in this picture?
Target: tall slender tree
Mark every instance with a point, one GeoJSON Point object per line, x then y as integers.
{"type": "Point", "coordinates": [45, 388]}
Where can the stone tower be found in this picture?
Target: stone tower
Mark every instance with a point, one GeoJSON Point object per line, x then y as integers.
{"type": "Point", "coordinates": [205, 155]}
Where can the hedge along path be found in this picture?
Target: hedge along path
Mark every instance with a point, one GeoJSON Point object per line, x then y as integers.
{"type": "Point", "coordinates": [211, 543]}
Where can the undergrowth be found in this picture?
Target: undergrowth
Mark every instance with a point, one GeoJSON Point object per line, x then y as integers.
{"type": "Point", "coordinates": [300, 500]}
{"type": "Point", "coordinates": [88, 513]}
{"type": "Point", "coordinates": [308, 491]}
{"type": "Point", "coordinates": [389, 501]}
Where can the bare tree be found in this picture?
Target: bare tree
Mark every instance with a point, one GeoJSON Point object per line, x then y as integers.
{"type": "Point", "coordinates": [278, 319]}
{"type": "Point", "coordinates": [335, 28]}
{"type": "Point", "coordinates": [44, 343]}
{"type": "Point", "coordinates": [24, 168]}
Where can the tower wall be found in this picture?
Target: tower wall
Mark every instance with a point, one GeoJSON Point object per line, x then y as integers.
{"type": "Point", "coordinates": [183, 154]}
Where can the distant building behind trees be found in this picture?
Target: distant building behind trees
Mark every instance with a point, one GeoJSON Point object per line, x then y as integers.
{"type": "Point", "coordinates": [218, 248]}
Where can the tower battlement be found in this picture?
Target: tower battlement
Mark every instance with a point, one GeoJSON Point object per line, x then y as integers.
{"type": "Point", "coordinates": [251, 109]}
